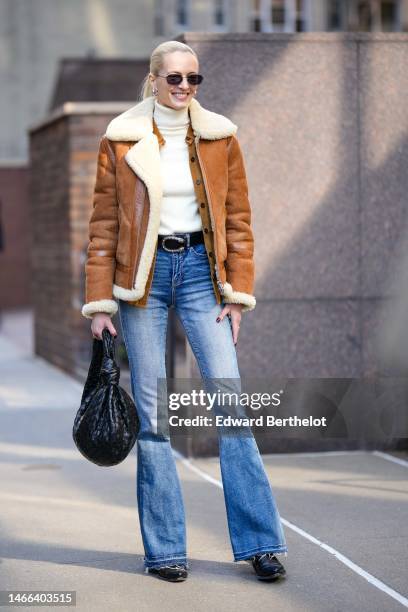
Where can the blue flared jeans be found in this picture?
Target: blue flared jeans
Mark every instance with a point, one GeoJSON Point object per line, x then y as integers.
{"type": "Point", "coordinates": [183, 281]}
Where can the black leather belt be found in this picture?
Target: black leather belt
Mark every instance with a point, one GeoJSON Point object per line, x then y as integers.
{"type": "Point", "coordinates": [178, 242]}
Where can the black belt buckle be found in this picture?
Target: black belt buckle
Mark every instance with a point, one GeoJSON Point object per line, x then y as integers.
{"type": "Point", "coordinates": [174, 239]}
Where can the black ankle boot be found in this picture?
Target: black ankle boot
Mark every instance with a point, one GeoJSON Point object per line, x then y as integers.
{"type": "Point", "coordinates": [173, 573]}
{"type": "Point", "coordinates": [267, 566]}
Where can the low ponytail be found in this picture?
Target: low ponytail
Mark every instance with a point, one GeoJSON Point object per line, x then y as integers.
{"type": "Point", "coordinates": [146, 89]}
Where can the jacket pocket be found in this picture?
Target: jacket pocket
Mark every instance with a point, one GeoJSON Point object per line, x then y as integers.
{"type": "Point", "coordinates": [123, 245]}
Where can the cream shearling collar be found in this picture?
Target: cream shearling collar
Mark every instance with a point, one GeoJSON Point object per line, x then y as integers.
{"type": "Point", "coordinates": [136, 123]}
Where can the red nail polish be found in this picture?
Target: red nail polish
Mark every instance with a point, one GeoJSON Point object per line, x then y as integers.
{"type": "Point", "coordinates": [218, 319]}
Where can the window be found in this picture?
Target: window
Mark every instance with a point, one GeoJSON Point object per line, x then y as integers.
{"type": "Point", "coordinates": [255, 24]}
{"type": "Point", "coordinates": [300, 17]}
{"type": "Point", "coordinates": [158, 18]}
{"type": "Point", "coordinates": [278, 15]}
{"type": "Point", "coordinates": [334, 20]}
{"type": "Point", "coordinates": [375, 16]}
{"type": "Point", "coordinates": [261, 16]}
{"type": "Point", "coordinates": [365, 16]}
{"type": "Point", "coordinates": [219, 13]}
{"type": "Point", "coordinates": [389, 17]}
{"type": "Point", "coordinates": [182, 13]}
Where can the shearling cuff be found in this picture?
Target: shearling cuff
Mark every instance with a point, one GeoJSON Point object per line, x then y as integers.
{"type": "Point", "coordinates": [109, 307]}
{"type": "Point", "coordinates": [237, 297]}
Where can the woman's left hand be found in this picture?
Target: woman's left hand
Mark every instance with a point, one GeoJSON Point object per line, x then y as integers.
{"type": "Point", "coordinates": [234, 312]}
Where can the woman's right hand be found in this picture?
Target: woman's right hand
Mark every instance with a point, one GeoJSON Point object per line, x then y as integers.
{"type": "Point", "coordinates": [100, 320]}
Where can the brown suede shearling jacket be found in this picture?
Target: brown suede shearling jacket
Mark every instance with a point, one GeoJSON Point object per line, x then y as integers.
{"type": "Point", "coordinates": [124, 223]}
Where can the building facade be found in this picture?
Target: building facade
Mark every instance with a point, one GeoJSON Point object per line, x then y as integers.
{"type": "Point", "coordinates": [174, 16]}
{"type": "Point", "coordinates": [35, 36]}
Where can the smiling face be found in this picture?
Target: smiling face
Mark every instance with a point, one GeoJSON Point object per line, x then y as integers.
{"type": "Point", "coordinates": [175, 96]}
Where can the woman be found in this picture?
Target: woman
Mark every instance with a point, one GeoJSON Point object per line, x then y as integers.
{"type": "Point", "coordinates": [170, 227]}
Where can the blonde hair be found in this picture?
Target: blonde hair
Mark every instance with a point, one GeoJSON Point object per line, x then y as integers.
{"type": "Point", "coordinates": [156, 62]}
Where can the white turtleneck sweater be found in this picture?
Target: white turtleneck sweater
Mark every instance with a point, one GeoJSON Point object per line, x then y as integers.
{"type": "Point", "coordinates": [179, 211]}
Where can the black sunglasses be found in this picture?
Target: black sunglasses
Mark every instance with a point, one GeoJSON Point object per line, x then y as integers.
{"type": "Point", "coordinates": [176, 79]}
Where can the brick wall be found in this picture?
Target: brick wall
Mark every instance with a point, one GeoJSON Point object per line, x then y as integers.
{"type": "Point", "coordinates": [63, 155]}
{"type": "Point", "coordinates": [15, 246]}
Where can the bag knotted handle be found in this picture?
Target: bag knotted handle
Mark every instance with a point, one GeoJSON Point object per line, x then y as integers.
{"type": "Point", "coordinates": [109, 371]}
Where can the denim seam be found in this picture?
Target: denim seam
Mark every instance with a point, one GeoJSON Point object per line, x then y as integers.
{"type": "Point", "coordinates": [159, 561]}
{"type": "Point", "coordinates": [165, 557]}
{"type": "Point", "coordinates": [140, 489]}
{"type": "Point", "coordinates": [193, 345]}
{"type": "Point", "coordinates": [254, 551]}
{"type": "Point", "coordinates": [179, 277]}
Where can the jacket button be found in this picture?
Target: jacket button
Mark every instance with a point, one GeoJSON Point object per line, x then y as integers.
{"type": "Point", "coordinates": [206, 230]}
{"type": "Point", "coordinates": [211, 254]}
{"type": "Point", "coordinates": [192, 158]}
{"type": "Point", "coordinates": [198, 182]}
{"type": "Point", "coordinates": [202, 204]}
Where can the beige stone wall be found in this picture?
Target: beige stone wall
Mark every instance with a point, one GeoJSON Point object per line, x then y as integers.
{"type": "Point", "coordinates": [322, 122]}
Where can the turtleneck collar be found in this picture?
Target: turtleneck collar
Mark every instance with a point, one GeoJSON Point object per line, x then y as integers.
{"type": "Point", "coordinates": [165, 116]}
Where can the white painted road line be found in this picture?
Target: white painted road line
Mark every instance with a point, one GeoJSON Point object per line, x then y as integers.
{"type": "Point", "coordinates": [390, 458]}
{"type": "Point", "coordinates": [338, 555]}
{"type": "Point", "coordinates": [353, 566]}
{"type": "Point", "coordinates": [320, 453]}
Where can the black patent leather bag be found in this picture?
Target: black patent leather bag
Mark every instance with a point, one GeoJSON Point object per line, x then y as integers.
{"type": "Point", "coordinates": [106, 424]}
